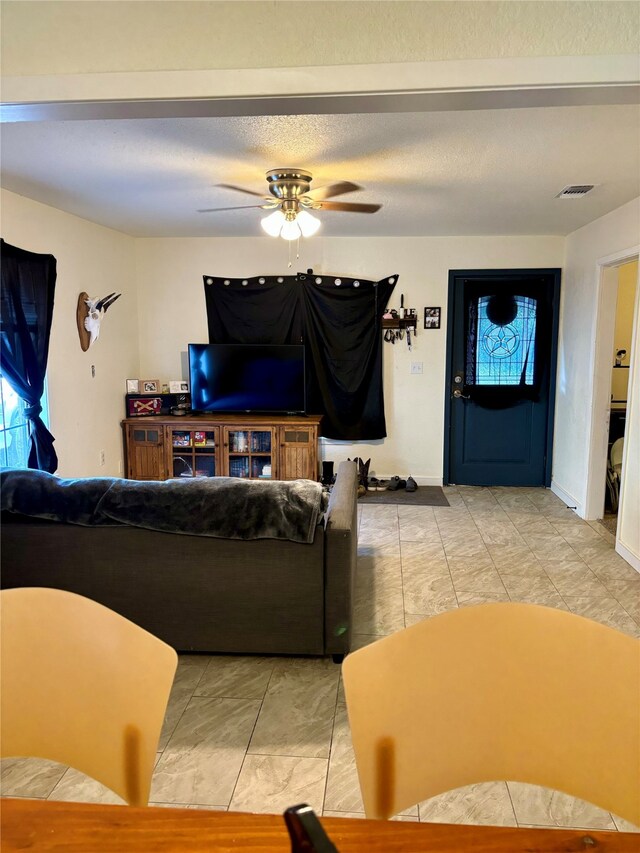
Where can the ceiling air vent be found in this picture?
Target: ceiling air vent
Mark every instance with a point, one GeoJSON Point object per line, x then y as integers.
{"type": "Point", "coordinates": [575, 190]}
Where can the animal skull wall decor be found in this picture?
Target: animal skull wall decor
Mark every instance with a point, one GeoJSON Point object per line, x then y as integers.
{"type": "Point", "coordinates": [89, 316]}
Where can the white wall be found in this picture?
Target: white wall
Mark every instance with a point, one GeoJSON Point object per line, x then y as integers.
{"type": "Point", "coordinates": [172, 314]}
{"type": "Point", "coordinates": [85, 413]}
{"type": "Point", "coordinates": [575, 396]}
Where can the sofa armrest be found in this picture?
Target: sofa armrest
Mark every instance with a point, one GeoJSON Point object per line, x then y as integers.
{"type": "Point", "coordinates": [340, 558]}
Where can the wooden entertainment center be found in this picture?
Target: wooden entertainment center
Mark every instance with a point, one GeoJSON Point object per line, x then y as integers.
{"type": "Point", "coordinates": [259, 447]}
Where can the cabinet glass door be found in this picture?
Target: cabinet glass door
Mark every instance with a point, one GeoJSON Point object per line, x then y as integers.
{"type": "Point", "coordinates": [193, 452]}
{"type": "Point", "coordinates": [249, 453]}
{"type": "Point", "coordinates": [261, 455]}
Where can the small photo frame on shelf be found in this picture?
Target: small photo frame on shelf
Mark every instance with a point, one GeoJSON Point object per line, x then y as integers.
{"type": "Point", "coordinates": [132, 386]}
{"type": "Point", "coordinates": [432, 318]}
{"type": "Point", "coordinates": [148, 386]}
{"type": "Point", "coordinates": [178, 386]}
{"type": "Point", "coordinates": [165, 388]}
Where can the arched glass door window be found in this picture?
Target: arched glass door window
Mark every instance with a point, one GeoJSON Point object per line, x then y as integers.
{"type": "Point", "coordinates": [505, 341]}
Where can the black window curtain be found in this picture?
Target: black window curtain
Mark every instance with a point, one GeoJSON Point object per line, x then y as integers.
{"type": "Point", "coordinates": [27, 291]}
{"type": "Point", "coordinates": [339, 325]}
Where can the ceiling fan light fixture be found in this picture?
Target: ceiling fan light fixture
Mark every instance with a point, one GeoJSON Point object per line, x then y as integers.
{"type": "Point", "coordinates": [290, 199]}
{"type": "Point", "coordinates": [273, 223]}
{"type": "Point", "coordinates": [308, 224]}
{"type": "Point", "coordinates": [290, 230]}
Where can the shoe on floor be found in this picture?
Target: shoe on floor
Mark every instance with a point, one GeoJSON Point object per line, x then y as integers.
{"type": "Point", "coordinates": [396, 483]}
{"type": "Point", "coordinates": [411, 485]}
{"type": "Point", "coordinates": [382, 485]}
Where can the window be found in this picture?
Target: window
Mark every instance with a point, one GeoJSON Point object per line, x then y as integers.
{"type": "Point", "coordinates": [14, 430]}
{"type": "Point", "coordinates": [505, 352]}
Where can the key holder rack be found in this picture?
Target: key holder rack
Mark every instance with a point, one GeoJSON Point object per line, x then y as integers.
{"type": "Point", "coordinates": [409, 322]}
{"type": "Point", "coordinates": [398, 325]}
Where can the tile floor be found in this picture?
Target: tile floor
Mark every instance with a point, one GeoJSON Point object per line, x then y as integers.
{"type": "Point", "coordinates": [258, 734]}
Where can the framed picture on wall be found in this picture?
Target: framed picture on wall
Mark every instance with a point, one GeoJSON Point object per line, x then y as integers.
{"type": "Point", "coordinates": [432, 318]}
{"type": "Point", "coordinates": [149, 386]}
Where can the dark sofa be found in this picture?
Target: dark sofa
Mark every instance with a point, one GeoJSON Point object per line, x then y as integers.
{"type": "Point", "coordinates": [199, 593]}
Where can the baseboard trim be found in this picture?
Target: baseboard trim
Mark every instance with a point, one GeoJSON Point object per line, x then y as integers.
{"type": "Point", "coordinates": [567, 499]}
{"type": "Point", "coordinates": [628, 555]}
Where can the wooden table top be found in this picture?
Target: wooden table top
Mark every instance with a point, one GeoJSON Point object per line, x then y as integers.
{"type": "Point", "coordinates": [45, 826]}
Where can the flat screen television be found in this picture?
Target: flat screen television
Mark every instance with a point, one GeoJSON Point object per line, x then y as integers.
{"type": "Point", "coordinates": [247, 378]}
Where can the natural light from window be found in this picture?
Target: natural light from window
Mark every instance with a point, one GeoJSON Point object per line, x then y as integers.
{"type": "Point", "coordinates": [505, 354]}
{"type": "Point", "coordinates": [14, 431]}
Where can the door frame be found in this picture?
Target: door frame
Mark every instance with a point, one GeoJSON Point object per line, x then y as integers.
{"type": "Point", "coordinates": [601, 354]}
{"type": "Point", "coordinates": [532, 272]}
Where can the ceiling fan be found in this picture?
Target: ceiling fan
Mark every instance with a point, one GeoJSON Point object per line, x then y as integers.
{"type": "Point", "coordinates": [291, 198]}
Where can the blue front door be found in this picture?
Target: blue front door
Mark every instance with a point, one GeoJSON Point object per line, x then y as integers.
{"type": "Point", "coordinates": [502, 342]}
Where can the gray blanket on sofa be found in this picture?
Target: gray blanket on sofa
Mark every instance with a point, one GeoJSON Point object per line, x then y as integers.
{"type": "Point", "coordinates": [222, 507]}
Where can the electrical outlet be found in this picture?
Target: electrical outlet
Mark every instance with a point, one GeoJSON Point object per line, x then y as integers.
{"type": "Point", "coordinates": [416, 367]}
{"type": "Point", "coordinates": [102, 457]}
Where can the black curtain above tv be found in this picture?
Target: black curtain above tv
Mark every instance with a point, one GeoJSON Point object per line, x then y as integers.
{"type": "Point", "coordinates": [338, 320]}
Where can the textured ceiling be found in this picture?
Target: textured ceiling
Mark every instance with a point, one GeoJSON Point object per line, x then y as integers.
{"type": "Point", "coordinates": [54, 37]}
{"type": "Point", "coordinates": [435, 173]}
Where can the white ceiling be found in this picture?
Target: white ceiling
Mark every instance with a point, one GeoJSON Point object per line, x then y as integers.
{"type": "Point", "coordinates": [56, 37]}
{"type": "Point", "coordinates": [435, 173]}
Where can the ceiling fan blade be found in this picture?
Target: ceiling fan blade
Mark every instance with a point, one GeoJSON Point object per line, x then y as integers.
{"type": "Point", "coordinates": [348, 206]}
{"type": "Point", "coordinates": [239, 189]}
{"type": "Point", "coordinates": [241, 207]}
{"type": "Point", "coordinates": [332, 190]}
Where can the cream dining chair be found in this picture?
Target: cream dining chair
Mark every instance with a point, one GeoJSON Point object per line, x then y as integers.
{"type": "Point", "coordinates": [497, 692]}
{"type": "Point", "coordinates": [82, 685]}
